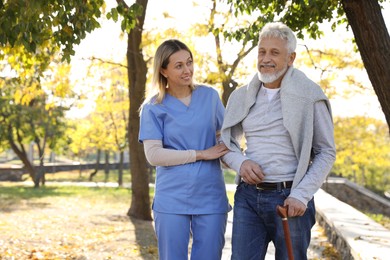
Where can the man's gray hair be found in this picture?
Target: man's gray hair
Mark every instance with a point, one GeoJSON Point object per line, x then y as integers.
{"type": "Point", "coordinates": [279, 30]}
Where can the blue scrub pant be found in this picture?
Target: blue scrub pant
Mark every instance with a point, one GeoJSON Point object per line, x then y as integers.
{"type": "Point", "coordinates": [256, 224]}
{"type": "Point", "coordinates": [173, 235]}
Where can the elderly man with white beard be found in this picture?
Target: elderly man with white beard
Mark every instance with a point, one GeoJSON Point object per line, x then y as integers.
{"type": "Point", "coordinates": [288, 149]}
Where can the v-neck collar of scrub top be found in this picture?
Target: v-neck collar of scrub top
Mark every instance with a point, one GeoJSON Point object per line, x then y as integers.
{"type": "Point", "coordinates": [177, 103]}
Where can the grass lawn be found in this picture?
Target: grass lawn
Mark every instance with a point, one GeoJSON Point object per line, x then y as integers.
{"type": "Point", "coordinates": [12, 193]}
{"type": "Point", "coordinates": [112, 176]}
{"type": "Point", "coordinates": [76, 176]}
{"type": "Point", "coordinates": [72, 222]}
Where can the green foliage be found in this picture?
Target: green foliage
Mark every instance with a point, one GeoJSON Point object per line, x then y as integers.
{"type": "Point", "coordinates": [81, 137]}
{"type": "Point", "coordinates": [229, 176]}
{"type": "Point", "coordinates": [380, 218]}
{"type": "Point", "coordinates": [300, 15]}
{"type": "Point", "coordinates": [337, 70]}
{"type": "Point", "coordinates": [363, 152]}
{"type": "Point", "coordinates": [33, 23]}
{"type": "Point", "coordinates": [230, 195]}
{"type": "Point", "coordinates": [128, 15]}
{"type": "Point", "coordinates": [106, 127]}
{"type": "Point", "coordinates": [32, 93]}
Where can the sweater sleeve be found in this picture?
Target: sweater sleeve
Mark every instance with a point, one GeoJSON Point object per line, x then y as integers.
{"type": "Point", "coordinates": [235, 157]}
{"type": "Point", "coordinates": [159, 156]}
{"type": "Point", "coordinates": [234, 160]}
{"type": "Point", "coordinates": [324, 151]}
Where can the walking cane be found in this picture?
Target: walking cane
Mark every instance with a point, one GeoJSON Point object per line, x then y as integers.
{"type": "Point", "coordinates": [282, 212]}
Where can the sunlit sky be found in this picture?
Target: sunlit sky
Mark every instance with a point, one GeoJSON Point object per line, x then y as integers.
{"type": "Point", "coordinates": [105, 43]}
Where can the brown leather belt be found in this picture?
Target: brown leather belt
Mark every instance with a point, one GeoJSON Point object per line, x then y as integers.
{"type": "Point", "coordinates": [274, 185]}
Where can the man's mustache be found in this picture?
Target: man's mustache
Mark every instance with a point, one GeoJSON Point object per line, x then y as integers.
{"type": "Point", "coordinates": [267, 66]}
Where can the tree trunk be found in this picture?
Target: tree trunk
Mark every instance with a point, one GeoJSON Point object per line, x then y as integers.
{"type": "Point", "coordinates": [106, 165]}
{"type": "Point", "coordinates": [137, 69]}
{"type": "Point", "coordinates": [40, 176]}
{"type": "Point", "coordinates": [372, 38]}
{"type": "Point", "coordinates": [228, 88]}
{"type": "Point", "coordinates": [97, 165]}
{"type": "Point", "coordinates": [21, 153]}
{"type": "Point", "coordinates": [80, 168]}
{"type": "Point", "coordinates": [120, 169]}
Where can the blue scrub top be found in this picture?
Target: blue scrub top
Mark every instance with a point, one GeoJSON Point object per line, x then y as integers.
{"type": "Point", "coordinates": [192, 188]}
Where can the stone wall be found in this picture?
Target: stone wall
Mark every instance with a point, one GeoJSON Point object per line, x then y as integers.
{"type": "Point", "coordinates": [357, 196]}
{"type": "Point", "coordinates": [335, 237]}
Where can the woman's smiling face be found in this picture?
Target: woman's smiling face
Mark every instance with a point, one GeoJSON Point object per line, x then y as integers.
{"type": "Point", "coordinates": [180, 69]}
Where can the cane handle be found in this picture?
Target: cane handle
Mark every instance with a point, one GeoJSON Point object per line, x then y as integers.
{"type": "Point", "coordinates": [282, 211]}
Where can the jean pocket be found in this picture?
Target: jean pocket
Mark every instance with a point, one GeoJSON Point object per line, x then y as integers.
{"type": "Point", "coordinates": [239, 186]}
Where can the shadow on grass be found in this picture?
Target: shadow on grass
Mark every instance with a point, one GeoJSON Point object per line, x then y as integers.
{"type": "Point", "coordinates": [146, 238]}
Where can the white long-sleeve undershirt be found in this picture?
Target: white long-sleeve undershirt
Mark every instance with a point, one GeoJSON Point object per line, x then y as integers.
{"type": "Point", "coordinates": [159, 156]}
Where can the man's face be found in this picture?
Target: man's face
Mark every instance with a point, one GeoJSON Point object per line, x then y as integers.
{"type": "Point", "coordinates": [273, 59]}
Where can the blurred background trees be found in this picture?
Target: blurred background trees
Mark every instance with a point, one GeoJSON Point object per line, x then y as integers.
{"type": "Point", "coordinates": [37, 47]}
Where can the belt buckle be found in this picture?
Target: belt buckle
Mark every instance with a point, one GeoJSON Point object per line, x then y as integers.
{"type": "Point", "coordinates": [284, 184]}
{"type": "Point", "coordinates": [258, 187]}
{"type": "Point", "coordinates": [281, 185]}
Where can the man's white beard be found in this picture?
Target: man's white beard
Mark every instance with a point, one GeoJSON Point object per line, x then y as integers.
{"type": "Point", "coordinates": [270, 77]}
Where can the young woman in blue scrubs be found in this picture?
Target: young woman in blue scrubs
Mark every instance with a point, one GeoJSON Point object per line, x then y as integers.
{"type": "Point", "coordinates": [179, 128]}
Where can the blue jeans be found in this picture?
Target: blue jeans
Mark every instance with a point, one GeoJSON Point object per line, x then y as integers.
{"type": "Point", "coordinates": [256, 223]}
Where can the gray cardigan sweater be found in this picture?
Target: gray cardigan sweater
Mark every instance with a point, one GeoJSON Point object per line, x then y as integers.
{"type": "Point", "coordinates": [298, 95]}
